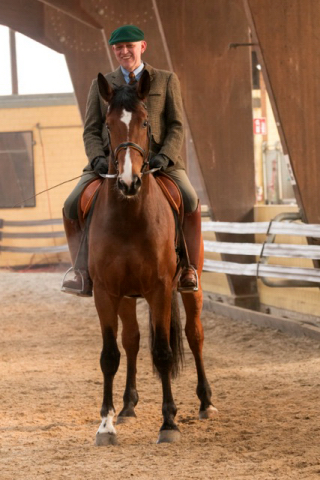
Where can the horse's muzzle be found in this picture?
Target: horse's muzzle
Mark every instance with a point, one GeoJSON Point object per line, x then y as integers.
{"type": "Point", "coordinates": [129, 190]}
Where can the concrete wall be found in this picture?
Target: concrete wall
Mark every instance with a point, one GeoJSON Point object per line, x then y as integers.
{"type": "Point", "coordinates": [58, 156]}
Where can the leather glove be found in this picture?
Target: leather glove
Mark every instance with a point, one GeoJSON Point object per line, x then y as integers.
{"type": "Point", "coordinates": [159, 161]}
{"type": "Point", "coordinates": [100, 165]}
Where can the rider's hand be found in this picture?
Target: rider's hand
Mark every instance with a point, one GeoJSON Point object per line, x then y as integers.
{"type": "Point", "coordinates": [100, 165]}
{"type": "Point", "coordinates": [159, 161]}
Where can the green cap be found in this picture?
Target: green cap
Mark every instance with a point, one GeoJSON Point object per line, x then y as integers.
{"type": "Point", "coordinates": [126, 33]}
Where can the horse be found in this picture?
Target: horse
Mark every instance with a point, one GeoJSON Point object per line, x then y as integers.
{"type": "Point", "coordinates": [132, 254]}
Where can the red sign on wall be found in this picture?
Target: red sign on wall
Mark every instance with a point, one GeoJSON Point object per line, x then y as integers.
{"type": "Point", "coordinates": [259, 126]}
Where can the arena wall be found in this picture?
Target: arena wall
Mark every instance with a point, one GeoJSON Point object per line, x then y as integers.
{"type": "Point", "coordinates": [58, 154]}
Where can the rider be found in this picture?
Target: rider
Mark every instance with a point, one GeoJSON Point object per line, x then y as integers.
{"type": "Point", "coordinates": [165, 114]}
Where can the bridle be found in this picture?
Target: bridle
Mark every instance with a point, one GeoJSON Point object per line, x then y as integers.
{"type": "Point", "coordinates": [124, 146]}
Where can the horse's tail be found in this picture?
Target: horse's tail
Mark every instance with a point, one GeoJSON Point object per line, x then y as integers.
{"type": "Point", "coordinates": [176, 342]}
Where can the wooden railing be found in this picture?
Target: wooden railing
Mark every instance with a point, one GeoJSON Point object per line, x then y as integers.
{"type": "Point", "coordinates": [28, 235]}
{"type": "Point", "coordinates": [292, 276]}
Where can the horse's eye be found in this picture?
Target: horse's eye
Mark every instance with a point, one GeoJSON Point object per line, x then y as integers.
{"type": "Point", "coordinates": [145, 124]}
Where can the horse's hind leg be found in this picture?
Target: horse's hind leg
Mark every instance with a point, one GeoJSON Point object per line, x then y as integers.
{"type": "Point", "coordinates": [194, 331]}
{"type": "Point", "coordinates": [107, 308]}
{"type": "Point", "coordinates": [130, 342]}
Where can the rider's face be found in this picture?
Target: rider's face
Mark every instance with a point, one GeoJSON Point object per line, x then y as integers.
{"type": "Point", "coordinates": [129, 54]}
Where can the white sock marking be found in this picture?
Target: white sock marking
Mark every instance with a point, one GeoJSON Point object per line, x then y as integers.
{"type": "Point", "coordinates": [106, 425]}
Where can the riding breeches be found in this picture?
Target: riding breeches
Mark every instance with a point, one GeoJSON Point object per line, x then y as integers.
{"type": "Point", "coordinates": [190, 198]}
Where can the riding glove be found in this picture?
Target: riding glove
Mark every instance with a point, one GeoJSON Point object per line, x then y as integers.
{"type": "Point", "coordinates": [159, 161]}
{"type": "Point", "coordinates": [100, 165]}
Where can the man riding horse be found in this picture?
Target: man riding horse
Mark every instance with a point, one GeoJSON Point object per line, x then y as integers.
{"type": "Point", "coordinates": [165, 113]}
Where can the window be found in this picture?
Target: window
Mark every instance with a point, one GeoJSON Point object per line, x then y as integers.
{"type": "Point", "coordinates": [16, 169]}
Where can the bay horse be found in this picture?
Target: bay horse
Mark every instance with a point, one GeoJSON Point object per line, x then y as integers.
{"type": "Point", "coordinates": [132, 254]}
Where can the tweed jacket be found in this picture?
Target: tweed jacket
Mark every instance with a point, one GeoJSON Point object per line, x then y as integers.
{"type": "Point", "coordinates": [165, 114]}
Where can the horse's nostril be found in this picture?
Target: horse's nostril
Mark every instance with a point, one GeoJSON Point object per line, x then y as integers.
{"type": "Point", "coordinates": [120, 183]}
{"type": "Point", "coordinates": [137, 181]}
{"type": "Point", "coordinates": [129, 189]}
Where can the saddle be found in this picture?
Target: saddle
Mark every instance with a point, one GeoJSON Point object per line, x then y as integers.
{"type": "Point", "coordinates": [168, 186]}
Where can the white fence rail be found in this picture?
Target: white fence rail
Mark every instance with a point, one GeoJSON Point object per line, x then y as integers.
{"type": "Point", "coordinates": [295, 276]}
{"type": "Point", "coordinates": [28, 235]}
{"type": "Point", "coordinates": [259, 269]}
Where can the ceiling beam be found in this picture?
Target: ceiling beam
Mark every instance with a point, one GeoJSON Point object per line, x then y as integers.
{"type": "Point", "coordinates": [27, 18]}
{"type": "Point", "coordinates": [74, 9]}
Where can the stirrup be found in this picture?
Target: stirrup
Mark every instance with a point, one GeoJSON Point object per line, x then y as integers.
{"type": "Point", "coordinates": [190, 289]}
{"type": "Point", "coordinates": [74, 291]}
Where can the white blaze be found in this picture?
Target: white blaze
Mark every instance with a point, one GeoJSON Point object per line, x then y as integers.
{"type": "Point", "coordinates": [127, 168]}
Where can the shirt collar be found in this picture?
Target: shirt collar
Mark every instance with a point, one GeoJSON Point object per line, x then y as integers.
{"type": "Point", "coordinates": [137, 72]}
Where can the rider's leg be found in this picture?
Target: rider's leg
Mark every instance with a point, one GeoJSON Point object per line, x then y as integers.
{"type": "Point", "coordinates": [81, 284]}
{"type": "Point", "coordinates": [191, 229]}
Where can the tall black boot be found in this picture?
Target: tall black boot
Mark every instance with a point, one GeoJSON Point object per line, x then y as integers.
{"type": "Point", "coordinates": [192, 233]}
{"type": "Point", "coordinates": [81, 284]}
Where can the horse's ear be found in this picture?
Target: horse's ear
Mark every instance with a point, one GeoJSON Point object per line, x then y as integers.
{"type": "Point", "coordinates": [143, 86]}
{"type": "Point", "coordinates": [105, 90]}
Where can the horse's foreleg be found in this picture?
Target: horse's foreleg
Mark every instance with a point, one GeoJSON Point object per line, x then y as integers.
{"type": "Point", "coordinates": [194, 332]}
{"type": "Point", "coordinates": [130, 342]}
{"type": "Point", "coordinates": [160, 306]}
{"type": "Point", "coordinates": [110, 358]}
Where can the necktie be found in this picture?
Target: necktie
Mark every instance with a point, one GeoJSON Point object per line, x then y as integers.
{"type": "Point", "coordinates": [132, 78]}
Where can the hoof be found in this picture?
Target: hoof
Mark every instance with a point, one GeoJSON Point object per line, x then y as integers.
{"type": "Point", "coordinates": [209, 412]}
{"type": "Point", "coordinates": [169, 436]}
{"type": "Point", "coordinates": [123, 419]}
{"type": "Point", "coordinates": [103, 439]}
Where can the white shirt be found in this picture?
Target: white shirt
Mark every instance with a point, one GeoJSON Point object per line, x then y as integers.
{"type": "Point", "coordinates": [137, 72]}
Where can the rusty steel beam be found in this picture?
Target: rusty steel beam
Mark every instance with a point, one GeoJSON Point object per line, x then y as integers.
{"type": "Point", "coordinates": [74, 9]}
{"type": "Point", "coordinates": [83, 47]}
{"type": "Point", "coordinates": [216, 87]}
{"type": "Point", "coordinates": [288, 48]}
{"type": "Point", "coordinates": [26, 18]}
{"type": "Point", "coordinates": [112, 13]}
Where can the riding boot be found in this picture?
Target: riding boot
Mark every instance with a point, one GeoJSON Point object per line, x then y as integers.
{"type": "Point", "coordinates": [81, 284]}
{"type": "Point", "coordinates": [192, 233]}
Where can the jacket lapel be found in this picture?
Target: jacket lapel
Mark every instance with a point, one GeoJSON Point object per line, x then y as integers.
{"type": "Point", "coordinates": [150, 70]}
{"type": "Point", "coordinates": [118, 78]}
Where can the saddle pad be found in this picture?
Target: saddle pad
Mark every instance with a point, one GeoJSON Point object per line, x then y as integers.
{"type": "Point", "coordinates": [87, 196]}
{"type": "Point", "coordinates": [171, 191]}
{"type": "Point", "coordinates": [167, 185]}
